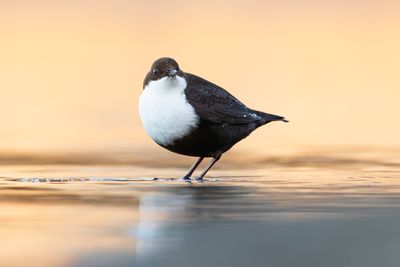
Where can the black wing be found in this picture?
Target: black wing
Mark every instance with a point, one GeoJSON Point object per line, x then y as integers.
{"type": "Point", "coordinates": [214, 104]}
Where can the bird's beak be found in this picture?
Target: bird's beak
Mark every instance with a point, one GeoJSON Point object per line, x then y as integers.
{"type": "Point", "coordinates": [172, 72]}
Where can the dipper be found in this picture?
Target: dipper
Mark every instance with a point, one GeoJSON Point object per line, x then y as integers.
{"type": "Point", "coordinates": [191, 116]}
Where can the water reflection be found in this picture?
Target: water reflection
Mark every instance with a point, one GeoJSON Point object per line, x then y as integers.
{"type": "Point", "coordinates": [255, 218]}
{"type": "Point", "coordinates": [251, 226]}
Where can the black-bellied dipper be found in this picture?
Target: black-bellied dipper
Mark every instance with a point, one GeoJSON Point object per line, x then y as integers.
{"type": "Point", "coordinates": [189, 115]}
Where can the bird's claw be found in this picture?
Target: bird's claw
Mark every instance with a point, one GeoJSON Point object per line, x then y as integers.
{"type": "Point", "coordinates": [200, 179]}
{"type": "Point", "coordinates": [186, 179]}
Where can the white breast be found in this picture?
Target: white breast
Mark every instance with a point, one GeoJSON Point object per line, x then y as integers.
{"type": "Point", "coordinates": [165, 113]}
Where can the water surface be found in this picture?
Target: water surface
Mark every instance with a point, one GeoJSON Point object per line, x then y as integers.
{"type": "Point", "coordinates": [336, 214]}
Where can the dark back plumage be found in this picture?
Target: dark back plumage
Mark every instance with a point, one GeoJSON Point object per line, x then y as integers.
{"type": "Point", "coordinates": [216, 105]}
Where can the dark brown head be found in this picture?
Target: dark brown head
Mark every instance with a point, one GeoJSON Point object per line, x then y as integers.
{"type": "Point", "coordinates": [163, 67]}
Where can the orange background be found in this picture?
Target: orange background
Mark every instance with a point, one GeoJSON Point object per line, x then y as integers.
{"type": "Point", "coordinates": [71, 71]}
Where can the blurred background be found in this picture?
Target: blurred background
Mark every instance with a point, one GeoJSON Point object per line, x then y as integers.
{"type": "Point", "coordinates": [71, 72]}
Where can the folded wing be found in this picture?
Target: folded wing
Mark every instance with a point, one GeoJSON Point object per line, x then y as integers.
{"type": "Point", "coordinates": [214, 104]}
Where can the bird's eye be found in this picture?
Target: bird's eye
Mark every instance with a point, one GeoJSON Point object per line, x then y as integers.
{"type": "Point", "coordinates": [154, 71]}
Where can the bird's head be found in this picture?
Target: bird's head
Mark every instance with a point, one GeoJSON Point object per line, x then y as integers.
{"type": "Point", "coordinates": [164, 67]}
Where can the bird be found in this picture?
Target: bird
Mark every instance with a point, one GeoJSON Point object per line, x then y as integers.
{"type": "Point", "coordinates": [191, 116]}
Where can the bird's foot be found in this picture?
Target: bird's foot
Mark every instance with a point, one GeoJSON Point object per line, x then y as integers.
{"type": "Point", "coordinates": [186, 179]}
{"type": "Point", "coordinates": [200, 179]}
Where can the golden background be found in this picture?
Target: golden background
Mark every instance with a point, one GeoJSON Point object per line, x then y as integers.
{"type": "Point", "coordinates": [71, 71]}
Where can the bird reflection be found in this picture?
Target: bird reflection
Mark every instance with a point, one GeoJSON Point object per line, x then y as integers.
{"type": "Point", "coordinates": [164, 216]}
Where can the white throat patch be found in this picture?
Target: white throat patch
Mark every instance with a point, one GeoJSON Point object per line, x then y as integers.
{"type": "Point", "coordinates": [165, 113]}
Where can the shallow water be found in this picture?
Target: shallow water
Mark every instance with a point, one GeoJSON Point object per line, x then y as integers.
{"type": "Point", "coordinates": [116, 215]}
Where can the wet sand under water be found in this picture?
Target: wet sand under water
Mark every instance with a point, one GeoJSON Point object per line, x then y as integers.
{"type": "Point", "coordinates": [97, 216]}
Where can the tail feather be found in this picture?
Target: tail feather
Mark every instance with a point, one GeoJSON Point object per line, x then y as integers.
{"type": "Point", "coordinates": [271, 117]}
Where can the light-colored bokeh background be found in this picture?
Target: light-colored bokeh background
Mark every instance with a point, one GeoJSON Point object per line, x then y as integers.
{"type": "Point", "coordinates": [71, 71]}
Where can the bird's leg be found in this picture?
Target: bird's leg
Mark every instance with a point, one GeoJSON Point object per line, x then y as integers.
{"type": "Point", "coordinates": [214, 160]}
{"type": "Point", "coordinates": [192, 169]}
